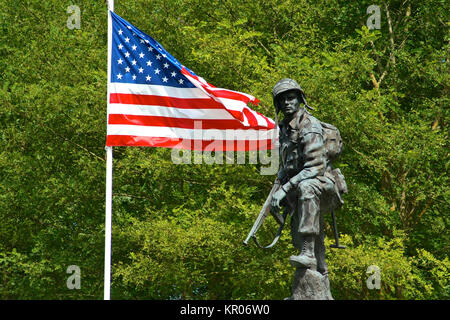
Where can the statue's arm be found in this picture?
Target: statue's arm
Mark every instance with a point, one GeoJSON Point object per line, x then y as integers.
{"type": "Point", "coordinates": [315, 160]}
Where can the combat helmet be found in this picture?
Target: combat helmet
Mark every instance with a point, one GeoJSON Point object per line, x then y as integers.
{"type": "Point", "coordinates": [284, 85]}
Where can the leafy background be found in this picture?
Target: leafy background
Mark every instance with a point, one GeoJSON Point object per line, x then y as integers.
{"type": "Point", "coordinates": [178, 229]}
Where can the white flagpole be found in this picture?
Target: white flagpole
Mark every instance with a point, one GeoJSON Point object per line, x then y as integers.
{"type": "Point", "coordinates": [108, 223]}
{"type": "Point", "coordinates": [109, 172]}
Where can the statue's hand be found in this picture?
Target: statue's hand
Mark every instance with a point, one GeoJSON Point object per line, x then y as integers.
{"type": "Point", "coordinates": [275, 204]}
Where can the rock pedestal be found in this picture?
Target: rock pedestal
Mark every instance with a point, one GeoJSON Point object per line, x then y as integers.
{"type": "Point", "coordinates": [310, 285]}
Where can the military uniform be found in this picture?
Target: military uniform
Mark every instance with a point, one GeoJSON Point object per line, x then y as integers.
{"type": "Point", "coordinates": [305, 171]}
{"type": "Point", "coordinates": [311, 185]}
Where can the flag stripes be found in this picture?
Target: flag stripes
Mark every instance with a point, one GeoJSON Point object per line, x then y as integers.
{"type": "Point", "coordinates": [191, 144]}
{"type": "Point", "coordinates": [186, 123]}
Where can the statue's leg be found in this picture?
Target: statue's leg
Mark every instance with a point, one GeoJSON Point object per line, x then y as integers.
{"type": "Point", "coordinates": [296, 236]}
{"type": "Point", "coordinates": [326, 187]}
{"type": "Point", "coordinates": [319, 250]}
{"type": "Point", "coordinates": [295, 213]}
{"type": "Point", "coordinates": [308, 224]}
{"type": "Point", "coordinates": [309, 284]}
{"type": "Point", "coordinates": [310, 220]}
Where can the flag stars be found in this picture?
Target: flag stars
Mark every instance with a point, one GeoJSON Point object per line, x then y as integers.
{"type": "Point", "coordinates": [132, 69]}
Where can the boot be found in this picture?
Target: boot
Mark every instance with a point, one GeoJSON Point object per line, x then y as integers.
{"type": "Point", "coordinates": [306, 259]}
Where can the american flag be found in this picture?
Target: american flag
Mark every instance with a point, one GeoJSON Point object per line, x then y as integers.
{"type": "Point", "coordinates": [155, 101]}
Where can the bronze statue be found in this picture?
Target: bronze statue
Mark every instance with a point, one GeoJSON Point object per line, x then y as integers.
{"type": "Point", "coordinates": [307, 186]}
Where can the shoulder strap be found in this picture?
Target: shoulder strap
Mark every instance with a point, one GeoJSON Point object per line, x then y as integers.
{"type": "Point", "coordinates": [277, 236]}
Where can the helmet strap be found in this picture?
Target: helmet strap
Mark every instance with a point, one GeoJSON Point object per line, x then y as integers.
{"type": "Point", "coordinates": [304, 102]}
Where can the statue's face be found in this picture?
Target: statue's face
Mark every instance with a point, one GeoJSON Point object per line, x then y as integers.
{"type": "Point", "coordinates": [289, 102]}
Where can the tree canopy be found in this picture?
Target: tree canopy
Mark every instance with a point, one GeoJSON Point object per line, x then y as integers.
{"type": "Point", "coordinates": [178, 229]}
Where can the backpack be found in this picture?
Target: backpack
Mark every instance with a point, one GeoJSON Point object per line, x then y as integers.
{"type": "Point", "coordinates": [332, 141]}
{"type": "Point", "coordinates": [331, 138]}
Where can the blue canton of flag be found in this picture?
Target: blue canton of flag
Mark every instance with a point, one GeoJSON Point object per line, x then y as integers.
{"type": "Point", "coordinates": [138, 58]}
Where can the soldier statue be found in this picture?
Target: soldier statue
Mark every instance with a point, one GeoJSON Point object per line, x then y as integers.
{"type": "Point", "coordinates": [309, 186]}
{"type": "Point", "coordinates": [306, 187]}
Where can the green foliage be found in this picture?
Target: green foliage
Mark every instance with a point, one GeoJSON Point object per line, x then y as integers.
{"type": "Point", "coordinates": [402, 277]}
{"type": "Point", "coordinates": [193, 259]}
{"type": "Point", "coordinates": [178, 229]}
{"type": "Point", "coordinates": [25, 278]}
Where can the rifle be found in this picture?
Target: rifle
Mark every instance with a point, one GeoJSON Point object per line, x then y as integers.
{"type": "Point", "coordinates": [263, 215]}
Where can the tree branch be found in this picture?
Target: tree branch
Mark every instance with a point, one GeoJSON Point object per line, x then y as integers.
{"type": "Point", "coordinates": [391, 34]}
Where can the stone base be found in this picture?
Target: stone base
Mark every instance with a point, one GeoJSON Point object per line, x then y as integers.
{"type": "Point", "coordinates": [310, 285]}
